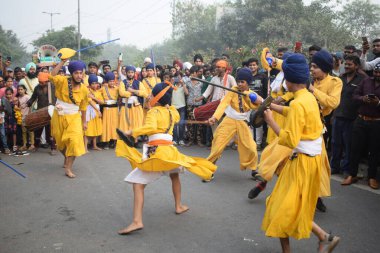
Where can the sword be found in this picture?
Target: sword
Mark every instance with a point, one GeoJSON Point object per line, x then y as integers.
{"type": "Point", "coordinates": [6, 164]}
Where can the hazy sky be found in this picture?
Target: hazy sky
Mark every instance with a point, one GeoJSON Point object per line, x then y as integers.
{"type": "Point", "coordinates": [140, 23]}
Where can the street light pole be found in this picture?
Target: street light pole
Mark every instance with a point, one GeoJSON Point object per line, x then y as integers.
{"type": "Point", "coordinates": [79, 36]}
{"type": "Point", "coordinates": [51, 18]}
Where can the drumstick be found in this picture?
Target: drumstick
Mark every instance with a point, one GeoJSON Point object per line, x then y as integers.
{"type": "Point", "coordinates": [216, 85]}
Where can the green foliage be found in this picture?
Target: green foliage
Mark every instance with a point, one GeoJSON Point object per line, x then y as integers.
{"type": "Point", "coordinates": [10, 45]}
{"type": "Point", "coordinates": [131, 54]}
{"type": "Point", "coordinates": [360, 17]}
{"type": "Point", "coordinates": [67, 37]}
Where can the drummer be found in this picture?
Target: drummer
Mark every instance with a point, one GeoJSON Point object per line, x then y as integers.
{"type": "Point", "coordinates": [41, 97]}
{"type": "Point", "coordinates": [222, 78]}
{"type": "Point", "coordinates": [237, 109]}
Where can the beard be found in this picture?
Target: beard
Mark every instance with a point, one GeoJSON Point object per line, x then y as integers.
{"type": "Point", "coordinates": [76, 82]}
{"type": "Point", "coordinates": [31, 75]}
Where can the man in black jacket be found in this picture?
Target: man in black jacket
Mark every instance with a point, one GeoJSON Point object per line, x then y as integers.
{"type": "Point", "coordinates": [344, 116]}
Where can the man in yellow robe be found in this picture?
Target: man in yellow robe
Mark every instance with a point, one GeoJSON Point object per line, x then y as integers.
{"type": "Point", "coordinates": [69, 118]}
{"type": "Point", "coordinates": [237, 109]}
{"type": "Point", "coordinates": [132, 93]}
{"type": "Point", "coordinates": [327, 90]}
{"type": "Point", "coordinates": [160, 157]}
{"type": "Point", "coordinates": [291, 206]}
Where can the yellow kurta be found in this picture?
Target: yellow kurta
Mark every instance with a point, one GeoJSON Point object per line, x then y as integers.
{"type": "Point", "coordinates": [67, 129]}
{"type": "Point", "coordinates": [134, 112]}
{"type": "Point", "coordinates": [166, 157]}
{"type": "Point", "coordinates": [291, 206]}
{"type": "Point", "coordinates": [110, 114]}
{"type": "Point", "coordinates": [95, 125]}
{"type": "Point", "coordinates": [230, 127]}
{"type": "Point", "coordinates": [149, 83]}
{"type": "Point", "coordinates": [327, 92]}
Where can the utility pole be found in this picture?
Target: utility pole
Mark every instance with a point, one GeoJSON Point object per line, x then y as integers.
{"type": "Point", "coordinates": [51, 18]}
{"type": "Point", "coordinates": [174, 25]}
{"type": "Point", "coordinates": [79, 36]}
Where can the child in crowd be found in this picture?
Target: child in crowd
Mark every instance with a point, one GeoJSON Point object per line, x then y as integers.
{"type": "Point", "coordinates": [23, 99]}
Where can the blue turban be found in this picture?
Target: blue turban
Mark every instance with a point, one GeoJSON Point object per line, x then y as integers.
{"type": "Point", "coordinates": [245, 74]}
{"type": "Point", "coordinates": [92, 78]}
{"type": "Point", "coordinates": [130, 68]}
{"type": "Point", "coordinates": [167, 98]}
{"type": "Point", "coordinates": [109, 76]}
{"type": "Point", "coordinates": [286, 55]}
{"type": "Point", "coordinates": [323, 60]}
{"type": "Point", "coordinates": [150, 66]}
{"type": "Point", "coordinates": [296, 69]}
{"type": "Point", "coordinates": [30, 65]}
{"type": "Point", "coordinates": [75, 66]}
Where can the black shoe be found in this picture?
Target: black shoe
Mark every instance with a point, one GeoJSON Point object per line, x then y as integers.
{"type": "Point", "coordinates": [255, 191]}
{"type": "Point", "coordinates": [138, 145]}
{"type": "Point", "coordinates": [320, 206]}
{"type": "Point", "coordinates": [208, 180]}
{"type": "Point", "coordinates": [254, 173]}
{"type": "Point", "coordinates": [44, 145]}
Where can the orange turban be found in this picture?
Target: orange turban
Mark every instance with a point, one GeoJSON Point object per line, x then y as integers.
{"type": "Point", "coordinates": [43, 77]}
{"type": "Point", "coordinates": [222, 64]}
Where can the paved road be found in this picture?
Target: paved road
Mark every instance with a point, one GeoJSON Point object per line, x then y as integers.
{"type": "Point", "coordinates": [49, 213]}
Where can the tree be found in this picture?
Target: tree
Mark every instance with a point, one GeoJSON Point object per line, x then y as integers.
{"type": "Point", "coordinates": [360, 18]}
{"type": "Point", "coordinates": [131, 54]}
{"type": "Point", "coordinates": [195, 27]}
{"type": "Point", "coordinates": [10, 45]}
{"type": "Point", "coordinates": [67, 37]}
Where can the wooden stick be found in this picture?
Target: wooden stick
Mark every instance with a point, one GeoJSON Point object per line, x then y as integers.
{"type": "Point", "coordinates": [216, 85]}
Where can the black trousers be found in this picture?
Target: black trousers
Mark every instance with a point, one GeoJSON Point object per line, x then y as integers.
{"type": "Point", "coordinates": [365, 133]}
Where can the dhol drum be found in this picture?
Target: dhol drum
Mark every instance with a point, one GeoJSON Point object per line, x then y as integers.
{"type": "Point", "coordinates": [206, 111]}
{"type": "Point", "coordinates": [38, 119]}
{"type": "Point", "coordinates": [256, 118]}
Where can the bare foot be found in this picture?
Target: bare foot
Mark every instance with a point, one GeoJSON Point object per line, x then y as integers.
{"type": "Point", "coordinates": [97, 148]}
{"type": "Point", "coordinates": [135, 226]}
{"type": "Point", "coordinates": [181, 209]}
{"type": "Point", "coordinates": [87, 151]}
{"type": "Point", "coordinates": [69, 174]}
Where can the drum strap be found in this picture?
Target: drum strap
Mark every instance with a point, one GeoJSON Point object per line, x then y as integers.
{"type": "Point", "coordinates": [27, 82]}
{"type": "Point", "coordinates": [241, 109]}
{"type": "Point", "coordinates": [71, 96]}
{"type": "Point", "coordinates": [49, 93]}
{"type": "Point", "coordinates": [108, 92]}
{"type": "Point", "coordinates": [146, 80]}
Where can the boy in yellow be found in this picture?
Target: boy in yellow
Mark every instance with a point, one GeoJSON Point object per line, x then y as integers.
{"type": "Point", "coordinates": [291, 206]}
{"type": "Point", "coordinates": [160, 157]}
{"type": "Point", "coordinates": [327, 90]}
{"type": "Point", "coordinates": [69, 118]}
{"type": "Point", "coordinates": [151, 80]}
{"type": "Point", "coordinates": [237, 109]}
{"type": "Point", "coordinates": [110, 94]}
{"type": "Point", "coordinates": [133, 92]}
{"type": "Point", "coordinates": [93, 114]}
